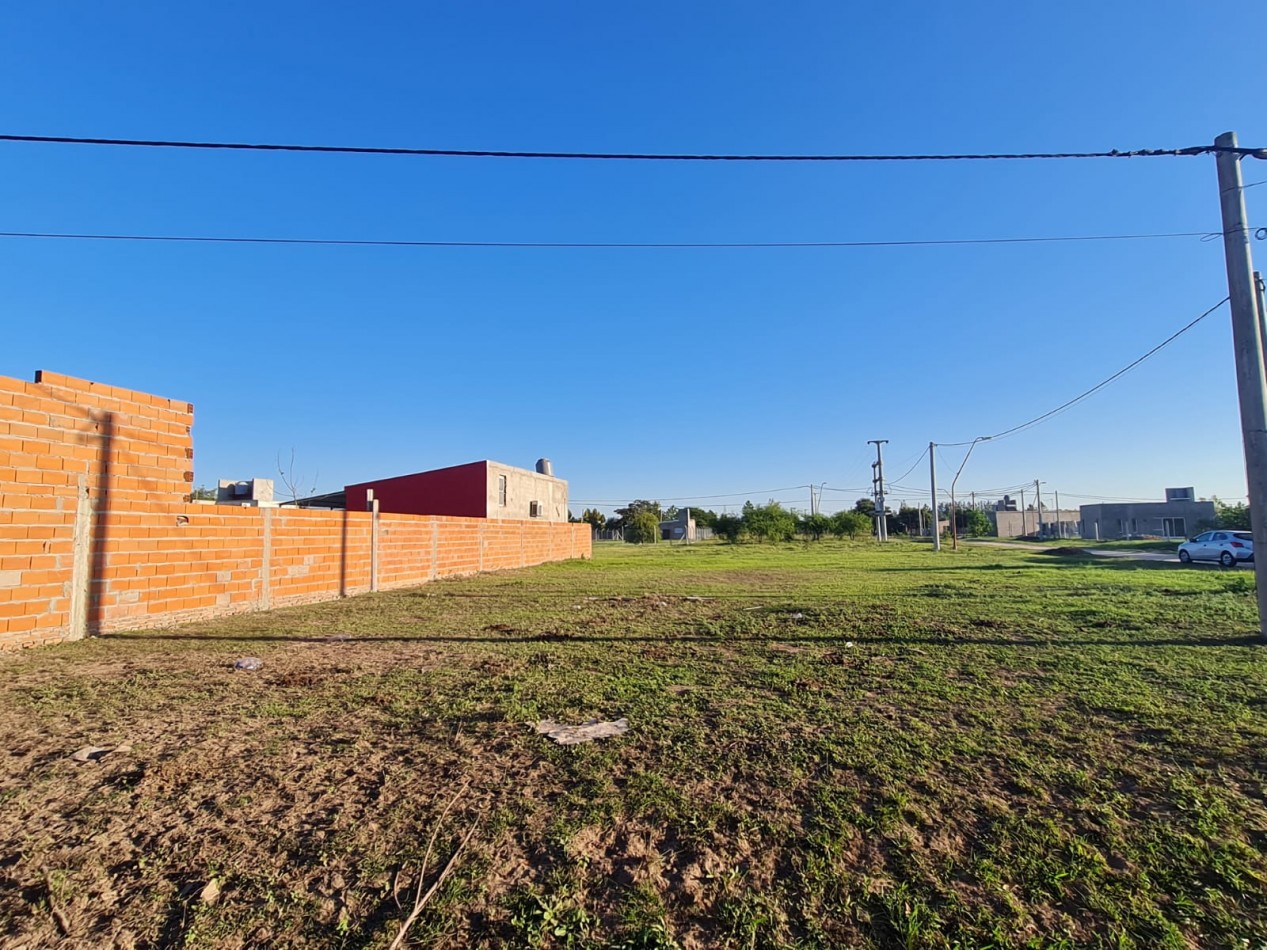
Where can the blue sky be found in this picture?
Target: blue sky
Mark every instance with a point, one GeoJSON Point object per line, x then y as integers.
{"type": "Point", "coordinates": [641, 373]}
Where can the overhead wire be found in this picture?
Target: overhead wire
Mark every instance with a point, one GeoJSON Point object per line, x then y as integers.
{"type": "Point", "coordinates": [909, 470]}
{"type": "Point", "coordinates": [630, 156]}
{"type": "Point", "coordinates": [616, 245]}
{"type": "Point", "coordinates": [1094, 389]}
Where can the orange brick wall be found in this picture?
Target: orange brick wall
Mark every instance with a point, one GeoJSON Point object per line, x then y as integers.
{"type": "Point", "coordinates": [97, 532]}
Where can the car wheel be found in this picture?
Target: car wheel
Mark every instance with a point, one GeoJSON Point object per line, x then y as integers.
{"type": "Point", "coordinates": [1185, 557]}
{"type": "Point", "coordinates": [1226, 559]}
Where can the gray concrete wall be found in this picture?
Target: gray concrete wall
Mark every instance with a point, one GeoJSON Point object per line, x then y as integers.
{"type": "Point", "coordinates": [1019, 524]}
{"type": "Point", "coordinates": [524, 487]}
{"type": "Point", "coordinates": [1122, 519]}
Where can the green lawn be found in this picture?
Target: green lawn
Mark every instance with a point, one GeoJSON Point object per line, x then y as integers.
{"type": "Point", "coordinates": [830, 745]}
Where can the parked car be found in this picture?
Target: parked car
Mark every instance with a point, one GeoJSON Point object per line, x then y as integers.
{"type": "Point", "coordinates": [1226, 547]}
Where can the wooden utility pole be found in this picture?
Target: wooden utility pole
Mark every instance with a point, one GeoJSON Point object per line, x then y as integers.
{"type": "Point", "coordinates": [1251, 378]}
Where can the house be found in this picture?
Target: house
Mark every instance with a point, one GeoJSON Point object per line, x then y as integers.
{"type": "Point", "coordinates": [484, 489]}
{"type": "Point", "coordinates": [681, 528]}
{"type": "Point", "coordinates": [1179, 516]}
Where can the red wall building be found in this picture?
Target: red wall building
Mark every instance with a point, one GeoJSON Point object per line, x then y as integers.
{"type": "Point", "coordinates": [459, 490]}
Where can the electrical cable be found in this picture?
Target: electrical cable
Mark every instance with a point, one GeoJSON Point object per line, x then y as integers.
{"type": "Point", "coordinates": [617, 245]}
{"type": "Point", "coordinates": [632, 156]}
{"type": "Point", "coordinates": [909, 470]}
{"type": "Point", "coordinates": [1094, 389]}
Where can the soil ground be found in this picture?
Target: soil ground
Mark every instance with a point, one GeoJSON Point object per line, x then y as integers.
{"type": "Point", "coordinates": [830, 744]}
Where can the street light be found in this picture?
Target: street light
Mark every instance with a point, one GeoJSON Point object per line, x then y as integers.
{"type": "Point", "coordinates": [954, 515]}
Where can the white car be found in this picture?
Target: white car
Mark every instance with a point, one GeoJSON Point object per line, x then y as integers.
{"type": "Point", "coordinates": [1226, 547]}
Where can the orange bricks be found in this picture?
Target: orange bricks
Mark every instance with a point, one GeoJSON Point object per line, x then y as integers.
{"type": "Point", "coordinates": [152, 559]}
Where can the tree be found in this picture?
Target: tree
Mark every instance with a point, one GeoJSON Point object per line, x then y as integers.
{"type": "Point", "coordinates": [728, 527]}
{"type": "Point", "coordinates": [1232, 517]}
{"type": "Point", "coordinates": [769, 522]}
{"type": "Point", "coordinates": [642, 528]}
{"type": "Point", "coordinates": [865, 506]}
{"type": "Point", "coordinates": [703, 517]}
{"type": "Point", "coordinates": [910, 518]}
{"type": "Point", "coordinates": [850, 524]}
{"type": "Point", "coordinates": [815, 525]}
{"type": "Point", "coordinates": [637, 507]}
{"type": "Point", "coordinates": [974, 522]}
{"type": "Point", "coordinates": [595, 518]}
{"type": "Point", "coordinates": [293, 480]}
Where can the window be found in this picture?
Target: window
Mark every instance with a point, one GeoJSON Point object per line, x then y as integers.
{"type": "Point", "coordinates": [534, 509]}
{"type": "Point", "coordinates": [1204, 537]}
{"type": "Point", "coordinates": [501, 491]}
{"type": "Point", "coordinates": [1174, 527]}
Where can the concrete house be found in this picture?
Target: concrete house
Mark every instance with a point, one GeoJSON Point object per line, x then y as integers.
{"type": "Point", "coordinates": [1179, 516]}
{"type": "Point", "coordinates": [484, 489]}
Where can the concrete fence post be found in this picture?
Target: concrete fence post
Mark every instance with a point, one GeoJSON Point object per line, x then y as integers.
{"type": "Point", "coordinates": [266, 561]}
{"type": "Point", "coordinates": [372, 504]}
{"type": "Point", "coordinates": [81, 561]}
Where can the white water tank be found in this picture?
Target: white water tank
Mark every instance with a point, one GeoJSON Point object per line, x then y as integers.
{"type": "Point", "coordinates": [545, 467]}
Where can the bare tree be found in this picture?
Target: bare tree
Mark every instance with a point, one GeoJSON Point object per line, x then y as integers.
{"type": "Point", "coordinates": [293, 480]}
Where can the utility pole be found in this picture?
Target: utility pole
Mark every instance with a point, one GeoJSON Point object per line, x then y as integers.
{"type": "Point", "coordinates": [1024, 532]}
{"type": "Point", "coordinates": [1060, 528]}
{"type": "Point", "coordinates": [1251, 379]}
{"type": "Point", "coordinates": [881, 522]}
{"type": "Point", "coordinates": [954, 515]}
{"type": "Point", "coordinates": [1259, 287]}
{"type": "Point", "coordinates": [932, 484]}
{"type": "Point", "coordinates": [1038, 508]}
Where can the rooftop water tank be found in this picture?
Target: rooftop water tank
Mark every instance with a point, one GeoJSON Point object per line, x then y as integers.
{"type": "Point", "coordinates": [545, 467]}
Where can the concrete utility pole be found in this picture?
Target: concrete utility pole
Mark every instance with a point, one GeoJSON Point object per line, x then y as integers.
{"type": "Point", "coordinates": [1259, 287]}
{"type": "Point", "coordinates": [1024, 532]}
{"type": "Point", "coordinates": [1038, 508]}
{"type": "Point", "coordinates": [932, 484]}
{"type": "Point", "coordinates": [1060, 529]}
{"type": "Point", "coordinates": [881, 522]}
{"type": "Point", "coordinates": [1251, 378]}
{"type": "Point", "coordinates": [954, 515]}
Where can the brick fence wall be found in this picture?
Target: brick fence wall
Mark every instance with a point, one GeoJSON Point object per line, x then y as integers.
{"type": "Point", "coordinates": [97, 532]}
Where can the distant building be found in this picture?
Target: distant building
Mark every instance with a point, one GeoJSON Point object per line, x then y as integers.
{"type": "Point", "coordinates": [1180, 516]}
{"type": "Point", "coordinates": [681, 528]}
{"type": "Point", "coordinates": [482, 489]}
{"type": "Point", "coordinates": [1010, 523]}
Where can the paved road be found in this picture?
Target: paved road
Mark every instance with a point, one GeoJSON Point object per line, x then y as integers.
{"type": "Point", "coordinates": [1098, 552]}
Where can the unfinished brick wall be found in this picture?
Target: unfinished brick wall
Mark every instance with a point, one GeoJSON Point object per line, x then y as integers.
{"type": "Point", "coordinates": [97, 532]}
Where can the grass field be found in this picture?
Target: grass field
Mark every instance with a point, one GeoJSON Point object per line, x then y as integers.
{"type": "Point", "coordinates": [830, 745]}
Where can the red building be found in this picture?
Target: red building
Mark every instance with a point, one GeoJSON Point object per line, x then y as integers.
{"type": "Point", "coordinates": [483, 489]}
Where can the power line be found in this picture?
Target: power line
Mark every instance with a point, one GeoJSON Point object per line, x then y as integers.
{"type": "Point", "coordinates": [898, 480]}
{"type": "Point", "coordinates": [1094, 389]}
{"type": "Point", "coordinates": [338, 242]}
{"type": "Point", "coordinates": [631, 156]}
